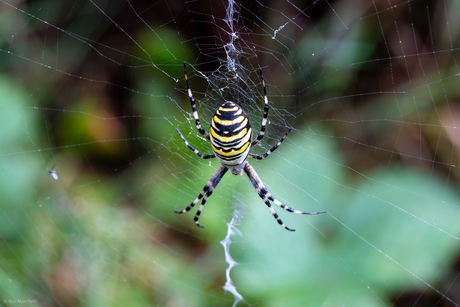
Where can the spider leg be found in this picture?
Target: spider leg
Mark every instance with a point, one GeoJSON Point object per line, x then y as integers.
{"type": "Point", "coordinates": [264, 119]}
{"type": "Point", "coordinates": [206, 193]}
{"type": "Point", "coordinates": [289, 208]}
{"type": "Point", "coordinates": [199, 154]}
{"type": "Point", "coordinates": [262, 191]}
{"type": "Point", "coordinates": [192, 102]}
{"type": "Point", "coordinates": [271, 150]}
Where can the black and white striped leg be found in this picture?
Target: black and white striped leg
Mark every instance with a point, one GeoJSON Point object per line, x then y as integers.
{"type": "Point", "coordinates": [263, 193]}
{"type": "Point", "coordinates": [192, 102]}
{"type": "Point", "coordinates": [260, 189]}
{"type": "Point", "coordinates": [289, 208]}
{"type": "Point", "coordinates": [199, 154]}
{"type": "Point", "coordinates": [264, 119]}
{"type": "Point", "coordinates": [206, 193]}
{"type": "Point", "coordinates": [271, 150]}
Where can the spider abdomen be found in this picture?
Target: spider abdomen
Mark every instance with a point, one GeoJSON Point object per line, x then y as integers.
{"type": "Point", "coordinates": [231, 134]}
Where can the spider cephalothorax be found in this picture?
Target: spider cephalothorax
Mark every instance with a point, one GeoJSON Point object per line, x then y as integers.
{"type": "Point", "coordinates": [231, 140]}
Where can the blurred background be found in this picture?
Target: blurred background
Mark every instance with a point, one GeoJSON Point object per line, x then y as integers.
{"type": "Point", "coordinates": [370, 89]}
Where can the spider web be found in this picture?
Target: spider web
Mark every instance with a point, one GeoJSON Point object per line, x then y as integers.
{"type": "Point", "coordinates": [370, 89]}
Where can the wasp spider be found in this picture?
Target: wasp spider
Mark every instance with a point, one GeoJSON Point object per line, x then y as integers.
{"type": "Point", "coordinates": [231, 140]}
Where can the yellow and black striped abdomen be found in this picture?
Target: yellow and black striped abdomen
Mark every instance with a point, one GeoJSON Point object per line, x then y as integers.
{"type": "Point", "coordinates": [231, 134]}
